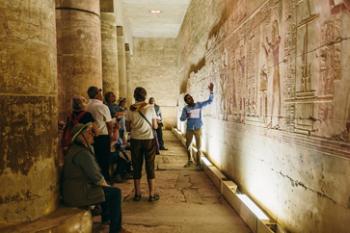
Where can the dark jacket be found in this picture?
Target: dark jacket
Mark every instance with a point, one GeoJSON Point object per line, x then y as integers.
{"type": "Point", "coordinates": [81, 176]}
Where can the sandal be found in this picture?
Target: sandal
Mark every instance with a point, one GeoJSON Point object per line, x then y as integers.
{"type": "Point", "coordinates": [155, 197]}
{"type": "Point", "coordinates": [137, 197]}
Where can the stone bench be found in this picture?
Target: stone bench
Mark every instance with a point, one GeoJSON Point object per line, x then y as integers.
{"type": "Point", "coordinates": [63, 220]}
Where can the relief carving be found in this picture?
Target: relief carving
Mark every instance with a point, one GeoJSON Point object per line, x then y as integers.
{"type": "Point", "coordinates": [279, 79]}
{"type": "Point", "coordinates": [272, 48]}
{"type": "Point", "coordinates": [339, 6]}
{"type": "Point", "coordinates": [263, 93]}
{"type": "Point", "coordinates": [330, 55]}
{"type": "Point", "coordinates": [241, 67]}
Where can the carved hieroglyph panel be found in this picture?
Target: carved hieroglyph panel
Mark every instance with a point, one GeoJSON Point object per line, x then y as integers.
{"type": "Point", "coordinates": [277, 69]}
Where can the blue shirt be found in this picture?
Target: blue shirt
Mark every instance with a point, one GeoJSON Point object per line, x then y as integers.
{"type": "Point", "coordinates": [193, 114]}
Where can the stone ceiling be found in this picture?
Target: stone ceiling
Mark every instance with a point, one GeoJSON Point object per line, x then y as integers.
{"type": "Point", "coordinates": [145, 24]}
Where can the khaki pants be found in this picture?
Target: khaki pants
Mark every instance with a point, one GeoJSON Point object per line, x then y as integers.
{"type": "Point", "coordinates": [198, 136]}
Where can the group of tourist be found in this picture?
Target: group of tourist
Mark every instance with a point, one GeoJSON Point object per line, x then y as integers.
{"type": "Point", "coordinates": [98, 132]}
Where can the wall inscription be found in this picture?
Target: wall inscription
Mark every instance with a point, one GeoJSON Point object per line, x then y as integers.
{"type": "Point", "coordinates": [284, 73]}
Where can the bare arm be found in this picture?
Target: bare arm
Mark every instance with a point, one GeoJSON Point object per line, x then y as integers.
{"type": "Point", "coordinates": [110, 128]}
{"type": "Point", "coordinates": [154, 123]}
{"type": "Point", "coordinates": [128, 126]}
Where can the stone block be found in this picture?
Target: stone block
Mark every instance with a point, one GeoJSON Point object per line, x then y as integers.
{"type": "Point", "coordinates": [228, 187]}
{"type": "Point", "coordinates": [265, 227]}
{"type": "Point", "coordinates": [215, 176]}
{"type": "Point", "coordinates": [248, 217]}
{"type": "Point", "coordinates": [63, 220]}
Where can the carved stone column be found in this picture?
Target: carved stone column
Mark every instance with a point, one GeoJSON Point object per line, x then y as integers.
{"type": "Point", "coordinates": [28, 110]}
{"type": "Point", "coordinates": [109, 53]}
{"type": "Point", "coordinates": [78, 48]}
{"type": "Point", "coordinates": [121, 62]}
{"type": "Point", "coordinates": [129, 93]}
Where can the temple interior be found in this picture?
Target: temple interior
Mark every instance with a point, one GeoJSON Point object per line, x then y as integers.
{"type": "Point", "coordinates": [275, 143]}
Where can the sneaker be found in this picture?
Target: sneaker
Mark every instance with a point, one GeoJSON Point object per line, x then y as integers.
{"type": "Point", "coordinates": [199, 167]}
{"type": "Point", "coordinates": [137, 197]}
{"type": "Point", "coordinates": [155, 197]}
{"type": "Point", "coordinates": [188, 164]}
{"type": "Point", "coordinates": [163, 148]}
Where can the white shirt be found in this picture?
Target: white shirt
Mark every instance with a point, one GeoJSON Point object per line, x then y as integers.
{"type": "Point", "coordinates": [140, 129]}
{"type": "Point", "coordinates": [101, 114]}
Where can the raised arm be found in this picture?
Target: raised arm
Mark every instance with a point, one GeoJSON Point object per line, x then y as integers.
{"type": "Point", "coordinates": [211, 97]}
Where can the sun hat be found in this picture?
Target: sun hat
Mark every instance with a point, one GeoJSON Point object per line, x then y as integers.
{"type": "Point", "coordinates": [78, 129]}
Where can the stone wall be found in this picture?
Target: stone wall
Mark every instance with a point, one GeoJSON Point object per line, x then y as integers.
{"type": "Point", "coordinates": [153, 66]}
{"type": "Point", "coordinates": [280, 122]}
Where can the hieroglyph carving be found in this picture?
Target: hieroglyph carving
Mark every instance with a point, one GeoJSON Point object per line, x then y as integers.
{"type": "Point", "coordinates": [274, 68]}
{"type": "Point", "coordinates": [330, 65]}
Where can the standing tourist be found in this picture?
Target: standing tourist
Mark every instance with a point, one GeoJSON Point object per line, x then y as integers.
{"type": "Point", "coordinates": [141, 120]}
{"type": "Point", "coordinates": [104, 124]}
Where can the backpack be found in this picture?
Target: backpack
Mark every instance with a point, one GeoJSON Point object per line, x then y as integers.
{"type": "Point", "coordinates": [67, 135]}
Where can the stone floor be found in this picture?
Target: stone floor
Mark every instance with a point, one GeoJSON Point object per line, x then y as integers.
{"type": "Point", "coordinates": [188, 200]}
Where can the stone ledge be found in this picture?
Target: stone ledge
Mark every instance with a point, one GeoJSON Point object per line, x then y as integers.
{"type": "Point", "coordinates": [63, 220]}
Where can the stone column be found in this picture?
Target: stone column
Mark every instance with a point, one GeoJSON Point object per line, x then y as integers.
{"type": "Point", "coordinates": [78, 49]}
{"type": "Point", "coordinates": [28, 110]}
{"type": "Point", "coordinates": [121, 62]}
{"type": "Point", "coordinates": [109, 53]}
{"type": "Point", "coordinates": [129, 92]}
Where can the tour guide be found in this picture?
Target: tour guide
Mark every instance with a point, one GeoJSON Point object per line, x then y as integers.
{"type": "Point", "coordinates": [192, 112]}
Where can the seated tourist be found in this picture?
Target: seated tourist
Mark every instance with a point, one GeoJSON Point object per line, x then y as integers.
{"type": "Point", "coordinates": [83, 183]}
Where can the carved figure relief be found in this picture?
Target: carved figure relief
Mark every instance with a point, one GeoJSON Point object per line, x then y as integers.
{"type": "Point", "coordinates": [232, 85]}
{"type": "Point", "coordinates": [306, 66]}
{"type": "Point", "coordinates": [330, 65]}
{"type": "Point", "coordinates": [336, 6]}
{"type": "Point", "coordinates": [239, 12]}
{"type": "Point", "coordinates": [280, 82]}
{"type": "Point", "coordinates": [252, 75]}
{"type": "Point", "coordinates": [241, 64]}
{"type": "Point", "coordinates": [263, 93]}
{"type": "Point", "coordinates": [272, 48]}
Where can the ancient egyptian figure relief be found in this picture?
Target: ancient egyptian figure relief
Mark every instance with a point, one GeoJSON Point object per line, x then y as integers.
{"type": "Point", "coordinates": [252, 75]}
{"type": "Point", "coordinates": [330, 65]}
{"type": "Point", "coordinates": [272, 49]}
{"type": "Point", "coordinates": [339, 5]}
{"type": "Point", "coordinates": [241, 68]}
{"type": "Point", "coordinates": [280, 69]}
{"type": "Point", "coordinates": [263, 80]}
{"type": "Point", "coordinates": [331, 61]}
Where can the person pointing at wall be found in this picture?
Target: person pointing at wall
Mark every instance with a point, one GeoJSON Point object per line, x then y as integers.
{"type": "Point", "coordinates": [192, 112]}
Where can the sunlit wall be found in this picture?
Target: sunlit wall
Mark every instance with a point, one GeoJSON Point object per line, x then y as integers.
{"type": "Point", "coordinates": [279, 124]}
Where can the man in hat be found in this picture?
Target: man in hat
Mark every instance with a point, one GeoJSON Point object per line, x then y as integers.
{"type": "Point", "coordinates": [192, 112]}
{"type": "Point", "coordinates": [83, 184]}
